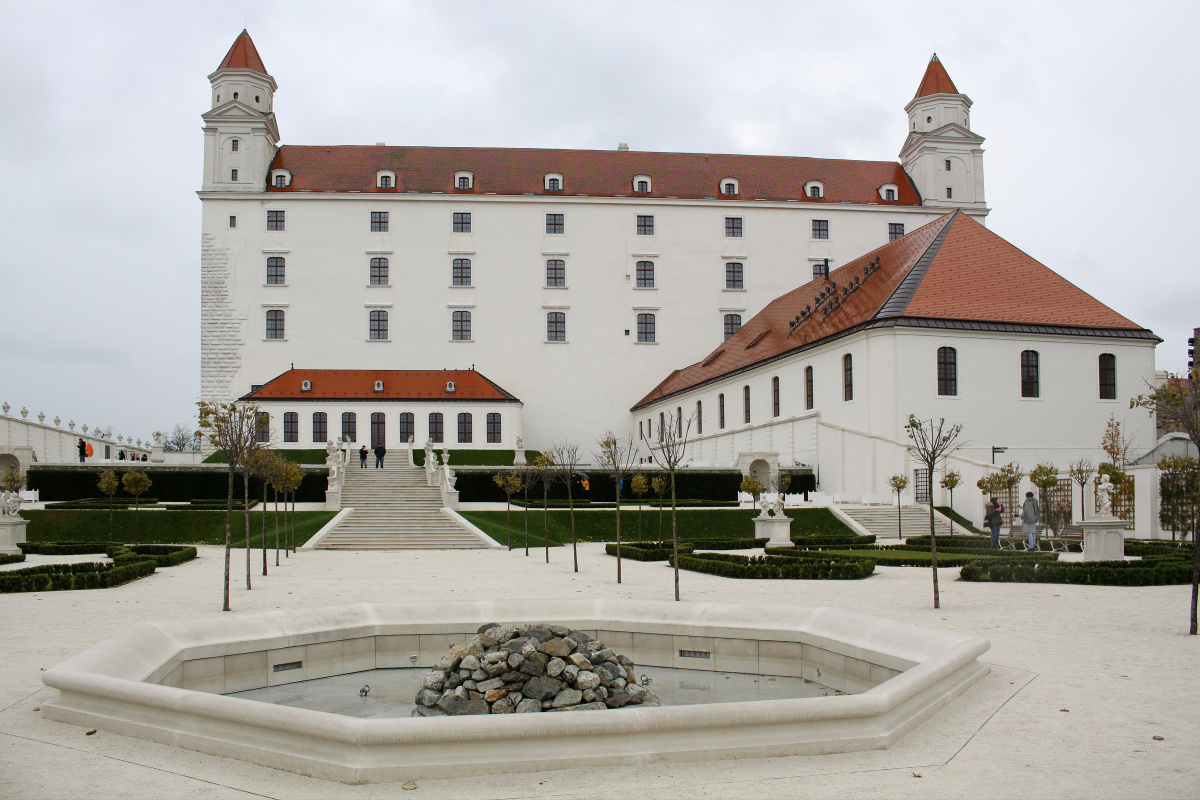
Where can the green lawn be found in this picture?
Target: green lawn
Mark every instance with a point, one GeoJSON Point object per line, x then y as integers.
{"type": "Point", "coordinates": [165, 527]}
{"type": "Point", "coordinates": [600, 526]}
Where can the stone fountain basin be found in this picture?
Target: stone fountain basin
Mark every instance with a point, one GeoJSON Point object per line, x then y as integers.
{"type": "Point", "coordinates": [166, 681]}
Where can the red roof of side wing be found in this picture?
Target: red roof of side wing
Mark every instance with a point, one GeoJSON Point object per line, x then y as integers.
{"type": "Point", "coordinates": [398, 384]}
{"type": "Point", "coordinates": [243, 55]}
{"type": "Point", "coordinates": [936, 80]}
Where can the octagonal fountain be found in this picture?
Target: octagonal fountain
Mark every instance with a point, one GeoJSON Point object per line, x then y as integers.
{"type": "Point", "coordinates": [170, 682]}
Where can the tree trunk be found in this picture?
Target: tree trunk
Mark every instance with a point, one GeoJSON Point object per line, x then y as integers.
{"type": "Point", "coordinates": [508, 518]}
{"type": "Point", "coordinates": [228, 535]}
{"type": "Point", "coordinates": [264, 532]}
{"type": "Point", "coordinates": [525, 492]}
{"type": "Point", "coordinates": [639, 519]}
{"type": "Point", "coordinates": [674, 536]}
{"type": "Point", "coordinates": [1195, 572]}
{"type": "Point", "coordinates": [937, 601]}
{"type": "Point", "coordinates": [546, 520]}
{"type": "Point", "coordinates": [571, 505]}
{"type": "Point", "coordinates": [618, 531]}
{"type": "Point", "coordinates": [293, 522]}
{"type": "Point", "coordinates": [246, 515]}
{"type": "Point", "coordinates": [110, 515]}
{"type": "Point", "coordinates": [276, 527]}
{"type": "Point", "coordinates": [135, 520]}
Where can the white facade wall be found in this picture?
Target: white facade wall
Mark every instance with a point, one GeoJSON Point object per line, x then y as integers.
{"type": "Point", "coordinates": [572, 390]}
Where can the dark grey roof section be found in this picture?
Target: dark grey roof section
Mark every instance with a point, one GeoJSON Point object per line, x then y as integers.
{"type": "Point", "coordinates": [897, 304]}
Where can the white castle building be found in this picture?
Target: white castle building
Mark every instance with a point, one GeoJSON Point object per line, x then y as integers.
{"type": "Point", "coordinates": [576, 280]}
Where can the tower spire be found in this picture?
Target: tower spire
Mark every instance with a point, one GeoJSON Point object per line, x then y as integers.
{"type": "Point", "coordinates": [936, 80]}
{"type": "Point", "coordinates": [243, 55]}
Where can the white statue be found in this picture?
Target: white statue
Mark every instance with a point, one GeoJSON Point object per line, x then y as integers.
{"type": "Point", "coordinates": [10, 504]}
{"type": "Point", "coordinates": [1104, 496]}
{"type": "Point", "coordinates": [777, 506]}
{"type": "Point", "coordinates": [158, 437]}
{"type": "Point", "coordinates": [520, 444]}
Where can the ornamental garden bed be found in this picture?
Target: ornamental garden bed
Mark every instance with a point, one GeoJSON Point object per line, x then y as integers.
{"type": "Point", "coordinates": [128, 563]}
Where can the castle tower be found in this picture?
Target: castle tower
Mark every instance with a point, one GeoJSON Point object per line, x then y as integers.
{"type": "Point", "coordinates": [240, 132]}
{"type": "Point", "coordinates": [942, 155]}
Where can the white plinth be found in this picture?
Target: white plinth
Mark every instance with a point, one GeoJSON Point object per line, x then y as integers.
{"type": "Point", "coordinates": [1103, 539]}
{"type": "Point", "coordinates": [12, 532]}
{"type": "Point", "coordinates": [157, 455]}
{"type": "Point", "coordinates": [777, 529]}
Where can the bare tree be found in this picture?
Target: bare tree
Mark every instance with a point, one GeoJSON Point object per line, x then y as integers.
{"type": "Point", "coordinates": [181, 439]}
{"type": "Point", "coordinates": [136, 483]}
{"type": "Point", "coordinates": [929, 444]}
{"type": "Point", "coordinates": [616, 455]}
{"type": "Point", "coordinates": [510, 484]}
{"type": "Point", "coordinates": [1081, 472]}
{"type": "Point", "coordinates": [898, 483]}
{"type": "Point", "coordinates": [527, 475]}
{"type": "Point", "coordinates": [264, 465]}
{"type": "Point", "coordinates": [670, 453]}
{"type": "Point", "coordinates": [232, 430]}
{"type": "Point", "coordinates": [1177, 403]}
{"type": "Point", "coordinates": [564, 462]}
{"type": "Point", "coordinates": [543, 472]}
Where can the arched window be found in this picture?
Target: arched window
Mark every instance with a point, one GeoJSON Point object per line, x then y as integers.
{"type": "Point", "coordinates": [645, 327]}
{"type": "Point", "coordinates": [699, 418]}
{"type": "Point", "coordinates": [378, 429]}
{"type": "Point", "coordinates": [721, 411]}
{"type": "Point", "coordinates": [734, 275]}
{"type": "Point", "coordinates": [464, 428]}
{"type": "Point", "coordinates": [556, 273]}
{"type": "Point", "coordinates": [1029, 374]}
{"type": "Point", "coordinates": [275, 270]}
{"type": "Point", "coordinates": [461, 326]}
{"type": "Point", "coordinates": [847, 377]}
{"type": "Point", "coordinates": [275, 324]}
{"type": "Point", "coordinates": [1108, 376]}
{"type": "Point", "coordinates": [291, 426]}
{"type": "Point", "coordinates": [889, 194]}
{"type": "Point", "coordinates": [280, 181]}
{"type": "Point", "coordinates": [349, 426]}
{"type": "Point", "coordinates": [262, 426]}
{"type": "Point", "coordinates": [733, 322]}
{"type": "Point", "coordinates": [408, 428]}
{"type": "Point", "coordinates": [808, 388]}
{"type": "Point", "coordinates": [556, 326]}
{"type": "Point", "coordinates": [775, 396]}
{"type": "Point", "coordinates": [320, 428]}
{"type": "Point", "coordinates": [493, 429]}
{"type": "Point", "coordinates": [435, 427]}
{"type": "Point", "coordinates": [379, 272]}
{"type": "Point", "coordinates": [746, 404]}
{"type": "Point", "coordinates": [947, 371]}
{"type": "Point", "coordinates": [460, 272]}
{"type": "Point", "coordinates": [645, 274]}
{"type": "Point", "coordinates": [379, 328]}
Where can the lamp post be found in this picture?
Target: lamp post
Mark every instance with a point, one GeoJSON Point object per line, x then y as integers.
{"type": "Point", "coordinates": [997, 450]}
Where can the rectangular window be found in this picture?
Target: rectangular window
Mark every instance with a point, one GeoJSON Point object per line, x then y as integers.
{"type": "Point", "coordinates": [1108, 376]}
{"type": "Point", "coordinates": [349, 426]}
{"type": "Point", "coordinates": [408, 427]}
{"type": "Point", "coordinates": [378, 430]}
{"type": "Point", "coordinates": [462, 222]}
{"type": "Point", "coordinates": [820, 228]}
{"type": "Point", "coordinates": [733, 226]}
{"type": "Point", "coordinates": [379, 272]}
{"type": "Point", "coordinates": [949, 193]}
{"type": "Point", "coordinates": [320, 427]}
{"type": "Point", "coordinates": [1029, 374]}
{"type": "Point", "coordinates": [895, 231]}
{"type": "Point", "coordinates": [385, 181]}
{"type": "Point", "coordinates": [555, 223]}
{"type": "Point", "coordinates": [699, 418]}
{"type": "Point", "coordinates": [556, 326]}
{"type": "Point", "coordinates": [733, 276]}
{"type": "Point", "coordinates": [746, 404]}
{"type": "Point", "coordinates": [435, 427]}
{"type": "Point", "coordinates": [556, 273]}
{"type": "Point", "coordinates": [947, 371]}
{"type": "Point", "coordinates": [276, 267]}
{"type": "Point", "coordinates": [947, 165]}
{"type": "Point", "coordinates": [461, 326]}
{"type": "Point", "coordinates": [262, 426]}
{"type": "Point", "coordinates": [378, 323]}
{"type": "Point", "coordinates": [493, 429]}
{"type": "Point", "coordinates": [233, 222]}
{"type": "Point", "coordinates": [733, 323]}
{"type": "Point", "coordinates": [291, 427]}
{"type": "Point", "coordinates": [645, 274]}
{"type": "Point", "coordinates": [233, 145]}
{"type": "Point", "coordinates": [275, 220]}
{"type": "Point", "coordinates": [720, 411]}
{"type": "Point", "coordinates": [460, 272]}
{"type": "Point", "coordinates": [775, 397]}
{"type": "Point", "coordinates": [464, 428]}
{"type": "Point", "coordinates": [645, 327]}
{"type": "Point", "coordinates": [645, 225]}
{"type": "Point", "coordinates": [847, 378]}
{"type": "Point", "coordinates": [275, 324]}
{"type": "Point", "coordinates": [379, 221]}
{"type": "Point", "coordinates": [233, 174]}
{"type": "Point", "coordinates": [821, 270]}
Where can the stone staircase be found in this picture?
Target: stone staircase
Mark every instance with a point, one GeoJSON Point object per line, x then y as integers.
{"type": "Point", "coordinates": [881, 521]}
{"type": "Point", "coordinates": [394, 509]}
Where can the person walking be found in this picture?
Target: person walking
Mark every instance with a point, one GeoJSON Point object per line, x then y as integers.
{"type": "Point", "coordinates": [379, 453]}
{"type": "Point", "coordinates": [993, 518]}
{"type": "Point", "coordinates": [82, 451]}
{"type": "Point", "coordinates": [362, 457]}
{"type": "Point", "coordinates": [1031, 515]}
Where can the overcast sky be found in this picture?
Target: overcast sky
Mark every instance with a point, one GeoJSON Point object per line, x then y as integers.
{"type": "Point", "coordinates": [1089, 110]}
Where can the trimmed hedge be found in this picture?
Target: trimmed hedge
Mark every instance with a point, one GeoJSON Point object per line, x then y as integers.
{"type": "Point", "coordinates": [1136, 547]}
{"type": "Point", "coordinates": [625, 504]}
{"type": "Point", "coordinates": [1168, 571]}
{"type": "Point", "coordinates": [11, 558]}
{"type": "Point", "coordinates": [128, 563]}
{"type": "Point", "coordinates": [310, 455]}
{"type": "Point", "coordinates": [639, 552]}
{"type": "Point", "coordinates": [476, 486]}
{"type": "Point", "coordinates": [56, 484]}
{"type": "Point", "coordinates": [63, 548]}
{"type": "Point", "coordinates": [956, 541]}
{"type": "Point", "coordinates": [727, 565]}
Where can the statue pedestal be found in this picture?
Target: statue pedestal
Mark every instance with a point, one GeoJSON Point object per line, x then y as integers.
{"type": "Point", "coordinates": [1104, 539]}
{"type": "Point", "coordinates": [777, 529]}
{"type": "Point", "coordinates": [156, 454]}
{"type": "Point", "coordinates": [519, 458]}
{"type": "Point", "coordinates": [12, 532]}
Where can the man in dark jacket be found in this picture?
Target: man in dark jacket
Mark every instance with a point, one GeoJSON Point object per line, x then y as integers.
{"type": "Point", "coordinates": [379, 452]}
{"type": "Point", "coordinates": [82, 451]}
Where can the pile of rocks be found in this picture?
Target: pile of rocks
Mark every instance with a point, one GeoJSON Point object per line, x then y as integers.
{"type": "Point", "coordinates": [526, 667]}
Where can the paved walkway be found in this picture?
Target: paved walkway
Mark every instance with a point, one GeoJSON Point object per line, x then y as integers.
{"type": "Point", "coordinates": [1083, 678]}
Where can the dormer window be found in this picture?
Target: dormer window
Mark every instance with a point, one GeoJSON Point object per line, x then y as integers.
{"type": "Point", "coordinates": [449, 387]}
{"type": "Point", "coordinates": [385, 179]}
{"type": "Point", "coordinates": [889, 191]}
{"type": "Point", "coordinates": [814, 190]}
{"type": "Point", "coordinates": [281, 178]}
{"type": "Point", "coordinates": [889, 194]}
{"type": "Point", "coordinates": [378, 386]}
{"type": "Point", "coordinates": [464, 181]}
{"type": "Point", "coordinates": [553, 182]}
{"type": "Point", "coordinates": [642, 184]}
{"type": "Point", "coordinates": [280, 181]}
{"type": "Point", "coordinates": [729, 187]}
{"type": "Point", "coordinates": [306, 386]}
{"type": "Point", "coordinates": [233, 145]}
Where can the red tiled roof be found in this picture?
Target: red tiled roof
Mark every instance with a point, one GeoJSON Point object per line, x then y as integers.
{"type": "Point", "coordinates": [243, 55]}
{"type": "Point", "coordinates": [398, 384]}
{"type": "Point", "coordinates": [952, 269]}
{"type": "Point", "coordinates": [936, 80]}
{"type": "Point", "coordinates": [603, 173]}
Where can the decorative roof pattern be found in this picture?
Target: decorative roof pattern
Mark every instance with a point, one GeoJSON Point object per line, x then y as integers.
{"type": "Point", "coordinates": [243, 55]}
{"type": "Point", "coordinates": [601, 173]}
{"type": "Point", "coordinates": [936, 80]}
{"type": "Point", "coordinates": [398, 384]}
{"type": "Point", "coordinates": [952, 272]}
